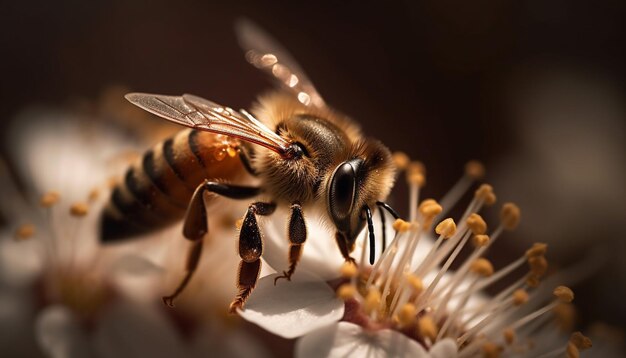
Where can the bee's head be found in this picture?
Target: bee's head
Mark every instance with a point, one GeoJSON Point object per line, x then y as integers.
{"type": "Point", "coordinates": [357, 183]}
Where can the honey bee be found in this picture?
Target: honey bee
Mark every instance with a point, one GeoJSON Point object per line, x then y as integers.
{"type": "Point", "coordinates": [305, 154]}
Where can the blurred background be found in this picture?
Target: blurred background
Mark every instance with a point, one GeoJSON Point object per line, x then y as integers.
{"type": "Point", "coordinates": [534, 89]}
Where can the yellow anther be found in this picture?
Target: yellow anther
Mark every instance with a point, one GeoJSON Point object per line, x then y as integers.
{"type": "Point", "coordinates": [476, 223]}
{"type": "Point", "coordinates": [538, 266]}
{"type": "Point", "coordinates": [346, 291]}
{"type": "Point", "coordinates": [580, 341]}
{"type": "Point", "coordinates": [486, 194]}
{"type": "Point", "coordinates": [49, 199]}
{"type": "Point", "coordinates": [349, 270]}
{"type": "Point", "coordinates": [520, 297]}
{"type": "Point", "coordinates": [427, 328]}
{"type": "Point", "coordinates": [93, 195]}
{"type": "Point", "coordinates": [416, 167]}
{"type": "Point", "coordinates": [564, 294]}
{"type": "Point", "coordinates": [532, 281]}
{"type": "Point", "coordinates": [25, 231]}
{"type": "Point", "coordinates": [401, 226]}
{"type": "Point", "coordinates": [538, 249]}
{"type": "Point", "coordinates": [475, 169]}
{"type": "Point", "coordinates": [416, 174]}
{"type": "Point", "coordinates": [79, 209]}
{"type": "Point", "coordinates": [565, 314]}
{"type": "Point", "coordinates": [401, 160]}
{"type": "Point", "coordinates": [446, 228]}
{"type": "Point", "coordinates": [416, 283]}
{"type": "Point", "coordinates": [509, 336]}
{"type": "Point", "coordinates": [491, 350]}
{"type": "Point", "coordinates": [407, 315]}
{"type": "Point", "coordinates": [430, 208]}
{"type": "Point", "coordinates": [238, 224]}
{"type": "Point", "coordinates": [510, 216]}
{"type": "Point", "coordinates": [480, 240]}
{"type": "Point", "coordinates": [372, 301]}
{"type": "Point", "coordinates": [482, 267]}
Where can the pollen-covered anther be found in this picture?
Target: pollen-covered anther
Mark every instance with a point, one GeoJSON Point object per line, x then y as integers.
{"type": "Point", "coordinates": [538, 266]}
{"type": "Point", "coordinates": [510, 216]}
{"type": "Point", "coordinates": [346, 291]}
{"type": "Point", "coordinates": [94, 194]}
{"type": "Point", "coordinates": [509, 336]}
{"type": "Point", "coordinates": [538, 249]}
{"type": "Point", "coordinates": [416, 174]}
{"type": "Point", "coordinates": [79, 209]}
{"type": "Point", "coordinates": [580, 341]}
{"type": "Point", "coordinates": [476, 223]}
{"type": "Point", "coordinates": [416, 283]}
{"type": "Point", "coordinates": [532, 281]}
{"type": "Point", "coordinates": [24, 232]}
{"type": "Point", "coordinates": [482, 267]}
{"type": "Point", "coordinates": [475, 169]}
{"type": "Point", "coordinates": [401, 226]}
{"type": "Point", "coordinates": [491, 350]}
{"type": "Point", "coordinates": [486, 194]}
{"type": "Point", "coordinates": [349, 270]}
{"type": "Point", "coordinates": [49, 199]}
{"type": "Point", "coordinates": [446, 228]}
{"type": "Point", "coordinates": [372, 301]}
{"type": "Point", "coordinates": [238, 224]}
{"type": "Point", "coordinates": [407, 315]}
{"type": "Point", "coordinates": [430, 208]}
{"type": "Point", "coordinates": [480, 240]}
{"type": "Point", "coordinates": [520, 297]}
{"type": "Point", "coordinates": [401, 160]}
{"type": "Point", "coordinates": [427, 328]}
{"type": "Point", "coordinates": [564, 294]}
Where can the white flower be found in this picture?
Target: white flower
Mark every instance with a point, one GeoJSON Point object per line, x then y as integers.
{"type": "Point", "coordinates": [66, 295]}
{"type": "Point", "coordinates": [410, 303]}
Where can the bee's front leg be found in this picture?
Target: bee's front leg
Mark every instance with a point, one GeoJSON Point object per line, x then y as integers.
{"type": "Point", "coordinates": [250, 251]}
{"type": "Point", "coordinates": [297, 237]}
{"type": "Point", "coordinates": [196, 225]}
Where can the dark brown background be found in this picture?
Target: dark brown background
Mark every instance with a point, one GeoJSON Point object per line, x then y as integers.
{"type": "Point", "coordinates": [429, 78]}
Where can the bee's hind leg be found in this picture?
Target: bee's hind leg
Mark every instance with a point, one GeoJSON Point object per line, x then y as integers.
{"type": "Point", "coordinates": [196, 225]}
{"type": "Point", "coordinates": [297, 237]}
{"type": "Point", "coordinates": [250, 251]}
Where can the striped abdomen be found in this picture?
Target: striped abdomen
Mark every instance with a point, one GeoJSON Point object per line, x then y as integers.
{"type": "Point", "coordinates": [155, 191]}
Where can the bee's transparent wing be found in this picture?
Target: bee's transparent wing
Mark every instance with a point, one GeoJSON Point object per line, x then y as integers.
{"type": "Point", "coordinates": [199, 113]}
{"type": "Point", "coordinates": [265, 53]}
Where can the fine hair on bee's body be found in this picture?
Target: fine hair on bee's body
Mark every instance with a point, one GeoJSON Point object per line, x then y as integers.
{"type": "Point", "coordinates": [304, 155]}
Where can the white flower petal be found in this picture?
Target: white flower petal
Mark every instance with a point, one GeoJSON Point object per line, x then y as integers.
{"type": "Point", "coordinates": [349, 340]}
{"type": "Point", "coordinates": [128, 330]}
{"type": "Point", "coordinates": [320, 254]}
{"type": "Point", "coordinates": [292, 309]}
{"type": "Point", "coordinates": [445, 348]}
{"type": "Point", "coordinates": [59, 334]}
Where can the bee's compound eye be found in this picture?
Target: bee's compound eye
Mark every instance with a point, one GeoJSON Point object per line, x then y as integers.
{"type": "Point", "coordinates": [342, 191]}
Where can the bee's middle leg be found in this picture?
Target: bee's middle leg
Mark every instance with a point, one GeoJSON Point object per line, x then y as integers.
{"type": "Point", "coordinates": [297, 237]}
{"type": "Point", "coordinates": [250, 251]}
{"type": "Point", "coordinates": [196, 225]}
